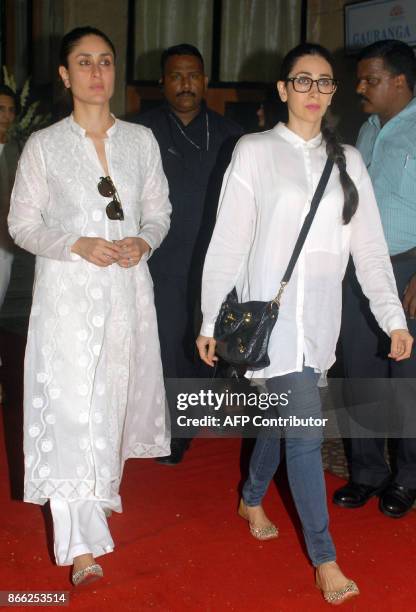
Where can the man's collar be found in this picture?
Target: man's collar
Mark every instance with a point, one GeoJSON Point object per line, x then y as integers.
{"type": "Point", "coordinates": [374, 120]}
{"type": "Point", "coordinates": [410, 107]}
{"type": "Point", "coordinates": [202, 110]}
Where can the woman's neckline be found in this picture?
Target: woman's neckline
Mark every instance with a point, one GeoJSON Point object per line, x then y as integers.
{"type": "Point", "coordinates": [294, 137]}
{"type": "Point", "coordinates": [83, 131]}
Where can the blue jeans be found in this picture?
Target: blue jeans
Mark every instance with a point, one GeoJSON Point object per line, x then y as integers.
{"type": "Point", "coordinates": [303, 459]}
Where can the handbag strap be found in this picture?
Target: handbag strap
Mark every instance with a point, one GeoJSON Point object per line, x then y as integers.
{"type": "Point", "coordinates": [317, 196]}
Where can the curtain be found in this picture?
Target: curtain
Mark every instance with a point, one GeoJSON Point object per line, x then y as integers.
{"type": "Point", "coordinates": [22, 51]}
{"type": "Point", "coordinates": [255, 35]}
{"type": "Point", "coordinates": [162, 23]}
{"type": "Point", "coordinates": [2, 35]}
{"type": "Point", "coordinates": [49, 21]}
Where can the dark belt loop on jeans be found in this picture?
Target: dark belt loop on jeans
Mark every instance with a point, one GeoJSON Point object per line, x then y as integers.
{"type": "Point", "coordinates": [410, 254]}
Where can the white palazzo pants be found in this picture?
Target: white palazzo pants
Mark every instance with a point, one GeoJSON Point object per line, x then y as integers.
{"type": "Point", "coordinates": [80, 527]}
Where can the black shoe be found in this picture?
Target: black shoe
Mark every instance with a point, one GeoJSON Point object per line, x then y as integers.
{"type": "Point", "coordinates": [178, 448]}
{"type": "Point", "coordinates": [355, 495]}
{"type": "Point", "coordinates": [397, 500]}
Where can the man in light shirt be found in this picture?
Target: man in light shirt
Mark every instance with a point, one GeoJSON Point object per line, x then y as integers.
{"type": "Point", "coordinates": [386, 80]}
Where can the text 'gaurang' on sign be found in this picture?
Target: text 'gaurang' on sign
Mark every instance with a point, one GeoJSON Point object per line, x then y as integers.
{"type": "Point", "coordinates": [368, 22]}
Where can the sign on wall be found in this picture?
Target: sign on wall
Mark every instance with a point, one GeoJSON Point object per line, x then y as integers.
{"type": "Point", "coordinates": [368, 22]}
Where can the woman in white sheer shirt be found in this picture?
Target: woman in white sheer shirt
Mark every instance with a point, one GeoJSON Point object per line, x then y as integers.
{"type": "Point", "coordinates": [90, 201]}
{"type": "Point", "coordinates": [265, 197]}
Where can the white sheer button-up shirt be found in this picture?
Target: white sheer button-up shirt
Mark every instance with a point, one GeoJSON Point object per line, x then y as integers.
{"type": "Point", "coordinates": [265, 197]}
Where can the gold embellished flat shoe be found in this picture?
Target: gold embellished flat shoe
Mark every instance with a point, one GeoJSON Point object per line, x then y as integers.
{"type": "Point", "coordinates": [87, 575]}
{"type": "Point", "coordinates": [336, 598]}
{"type": "Point", "coordinates": [260, 533]}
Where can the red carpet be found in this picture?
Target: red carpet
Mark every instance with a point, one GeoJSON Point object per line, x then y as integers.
{"type": "Point", "coordinates": [180, 545]}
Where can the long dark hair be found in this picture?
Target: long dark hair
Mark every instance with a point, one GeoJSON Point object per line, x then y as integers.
{"type": "Point", "coordinates": [334, 149]}
{"type": "Point", "coordinates": [71, 39]}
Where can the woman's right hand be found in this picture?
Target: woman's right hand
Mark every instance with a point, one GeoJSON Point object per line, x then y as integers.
{"type": "Point", "coordinates": [206, 348]}
{"type": "Point", "coordinates": [97, 251]}
{"type": "Point", "coordinates": [401, 344]}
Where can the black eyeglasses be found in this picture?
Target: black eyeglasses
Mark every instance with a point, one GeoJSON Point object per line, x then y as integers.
{"type": "Point", "coordinates": [114, 209]}
{"type": "Point", "coordinates": [303, 84]}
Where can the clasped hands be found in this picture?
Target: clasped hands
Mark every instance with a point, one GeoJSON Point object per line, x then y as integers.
{"type": "Point", "coordinates": [125, 253]}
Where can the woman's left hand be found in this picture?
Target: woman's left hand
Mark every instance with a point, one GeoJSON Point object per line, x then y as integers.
{"type": "Point", "coordinates": [206, 348]}
{"type": "Point", "coordinates": [131, 251]}
{"type": "Point", "coordinates": [401, 344]}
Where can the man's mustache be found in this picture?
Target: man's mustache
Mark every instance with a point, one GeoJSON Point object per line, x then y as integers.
{"type": "Point", "coordinates": [185, 93]}
{"type": "Point", "coordinates": [363, 98]}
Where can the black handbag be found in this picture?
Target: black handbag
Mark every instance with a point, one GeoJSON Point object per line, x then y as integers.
{"type": "Point", "coordinates": [243, 330]}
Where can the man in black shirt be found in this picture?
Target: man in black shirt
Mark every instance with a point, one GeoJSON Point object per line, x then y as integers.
{"type": "Point", "coordinates": [196, 145]}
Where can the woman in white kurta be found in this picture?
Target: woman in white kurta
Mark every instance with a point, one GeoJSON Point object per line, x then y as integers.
{"type": "Point", "coordinates": [94, 393]}
{"type": "Point", "coordinates": [266, 195]}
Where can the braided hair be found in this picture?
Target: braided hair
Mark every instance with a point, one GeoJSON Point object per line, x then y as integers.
{"type": "Point", "coordinates": [334, 148]}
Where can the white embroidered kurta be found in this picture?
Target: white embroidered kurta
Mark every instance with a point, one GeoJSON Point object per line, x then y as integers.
{"type": "Point", "coordinates": [94, 393]}
{"type": "Point", "coordinates": [266, 194]}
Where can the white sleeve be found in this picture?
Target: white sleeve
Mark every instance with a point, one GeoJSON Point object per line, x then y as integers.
{"type": "Point", "coordinates": [231, 239]}
{"type": "Point", "coordinates": [155, 205]}
{"type": "Point", "coordinates": [371, 258]}
{"type": "Point", "coordinates": [29, 199]}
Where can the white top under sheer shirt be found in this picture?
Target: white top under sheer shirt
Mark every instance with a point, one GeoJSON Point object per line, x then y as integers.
{"type": "Point", "coordinates": [266, 194]}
